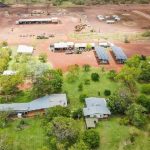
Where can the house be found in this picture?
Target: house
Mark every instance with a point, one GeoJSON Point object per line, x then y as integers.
{"type": "Point", "coordinates": [96, 108]}
{"type": "Point", "coordinates": [38, 105]}
{"type": "Point", "coordinates": [24, 49]}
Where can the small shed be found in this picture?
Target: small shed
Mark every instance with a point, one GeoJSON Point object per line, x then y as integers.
{"type": "Point", "coordinates": [91, 122]}
{"type": "Point", "coordinates": [25, 49]}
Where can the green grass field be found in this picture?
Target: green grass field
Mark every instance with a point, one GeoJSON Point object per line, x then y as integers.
{"type": "Point", "coordinates": [92, 89]}
{"type": "Point", "coordinates": [30, 138]}
{"type": "Point", "coordinates": [113, 136]}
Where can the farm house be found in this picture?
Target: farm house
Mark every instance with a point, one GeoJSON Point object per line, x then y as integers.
{"type": "Point", "coordinates": [38, 105]}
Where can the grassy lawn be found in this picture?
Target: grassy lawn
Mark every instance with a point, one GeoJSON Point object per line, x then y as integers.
{"type": "Point", "coordinates": [114, 136]}
{"type": "Point", "coordinates": [30, 138]}
{"type": "Point", "coordinates": [90, 90]}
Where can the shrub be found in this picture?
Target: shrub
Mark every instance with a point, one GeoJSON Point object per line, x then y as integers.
{"type": "Point", "coordinates": [107, 92]}
{"type": "Point", "coordinates": [76, 114]}
{"type": "Point", "coordinates": [95, 76]}
{"type": "Point", "coordinates": [82, 97]}
{"type": "Point", "coordinates": [86, 81]}
{"type": "Point", "coordinates": [91, 138]}
{"type": "Point", "coordinates": [146, 34]}
{"type": "Point", "coordinates": [98, 93]}
{"type": "Point", "coordinates": [146, 89]}
{"type": "Point", "coordinates": [43, 58]}
{"type": "Point", "coordinates": [80, 87]}
{"type": "Point", "coordinates": [124, 121]}
{"type": "Point", "coordinates": [112, 74]}
{"type": "Point", "coordinates": [86, 67]}
{"type": "Point", "coordinates": [4, 44]}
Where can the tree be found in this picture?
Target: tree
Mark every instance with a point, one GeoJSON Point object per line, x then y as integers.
{"type": "Point", "coordinates": [91, 138]}
{"type": "Point", "coordinates": [107, 92]}
{"type": "Point", "coordinates": [128, 76]}
{"type": "Point", "coordinates": [9, 85]}
{"type": "Point", "coordinates": [65, 130]}
{"type": "Point", "coordinates": [89, 47]}
{"type": "Point", "coordinates": [77, 113]}
{"type": "Point", "coordinates": [79, 146]}
{"type": "Point", "coordinates": [119, 101]}
{"type": "Point", "coordinates": [57, 111]}
{"type": "Point", "coordinates": [136, 116]}
{"type": "Point", "coordinates": [49, 82]}
{"type": "Point", "coordinates": [144, 101]}
{"type": "Point", "coordinates": [82, 97]}
{"type": "Point", "coordinates": [43, 57]}
{"type": "Point", "coordinates": [86, 67]}
{"type": "Point", "coordinates": [57, 2]}
{"type": "Point", "coordinates": [145, 72]}
{"type": "Point", "coordinates": [4, 119]}
{"type": "Point", "coordinates": [146, 89]}
{"type": "Point", "coordinates": [112, 74]}
{"type": "Point", "coordinates": [95, 76]}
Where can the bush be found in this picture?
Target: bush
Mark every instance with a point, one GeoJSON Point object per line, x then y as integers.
{"type": "Point", "coordinates": [91, 138]}
{"type": "Point", "coordinates": [146, 34]}
{"type": "Point", "coordinates": [107, 92]}
{"type": "Point", "coordinates": [43, 58]}
{"type": "Point", "coordinates": [95, 76]}
{"type": "Point", "coordinates": [124, 121]}
{"type": "Point", "coordinates": [86, 81]}
{"type": "Point", "coordinates": [98, 93]}
{"type": "Point", "coordinates": [80, 87]}
{"type": "Point", "coordinates": [76, 114]}
{"type": "Point", "coordinates": [86, 67]}
{"type": "Point", "coordinates": [112, 74]}
{"type": "Point", "coordinates": [146, 89]}
{"type": "Point", "coordinates": [82, 97]}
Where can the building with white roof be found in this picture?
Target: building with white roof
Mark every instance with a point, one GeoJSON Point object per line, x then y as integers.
{"type": "Point", "coordinates": [25, 49]}
{"type": "Point", "coordinates": [35, 105]}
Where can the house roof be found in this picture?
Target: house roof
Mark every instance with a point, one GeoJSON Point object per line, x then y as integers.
{"type": "Point", "coordinates": [25, 49]}
{"type": "Point", "coordinates": [40, 103]}
{"type": "Point", "coordinates": [96, 110]}
{"type": "Point", "coordinates": [94, 101]}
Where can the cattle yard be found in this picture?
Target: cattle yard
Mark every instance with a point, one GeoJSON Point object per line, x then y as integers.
{"type": "Point", "coordinates": [41, 28]}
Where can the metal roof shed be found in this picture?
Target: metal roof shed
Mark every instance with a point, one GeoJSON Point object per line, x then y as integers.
{"type": "Point", "coordinates": [101, 54]}
{"type": "Point", "coordinates": [25, 49]}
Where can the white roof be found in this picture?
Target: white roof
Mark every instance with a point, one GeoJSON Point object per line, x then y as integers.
{"type": "Point", "coordinates": [103, 44]}
{"type": "Point", "coordinates": [9, 72]}
{"type": "Point", "coordinates": [60, 45]}
{"type": "Point", "coordinates": [40, 103]}
{"type": "Point", "coordinates": [35, 19]}
{"type": "Point", "coordinates": [94, 101]}
{"type": "Point", "coordinates": [77, 45]}
{"type": "Point", "coordinates": [25, 49]}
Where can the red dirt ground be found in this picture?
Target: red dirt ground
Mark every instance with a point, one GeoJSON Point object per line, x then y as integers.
{"type": "Point", "coordinates": [62, 31]}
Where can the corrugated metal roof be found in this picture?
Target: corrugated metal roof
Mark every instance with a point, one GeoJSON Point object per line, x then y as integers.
{"type": "Point", "coordinates": [40, 103]}
{"type": "Point", "coordinates": [94, 101]}
{"type": "Point", "coordinates": [25, 49]}
{"type": "Point", "coordinates": [96, 110]}
{"type": "Point", "coordinates": [95, 106]}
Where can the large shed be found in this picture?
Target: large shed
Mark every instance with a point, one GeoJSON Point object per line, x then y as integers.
{"type": "Point", "coordinates": [25, 49]}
